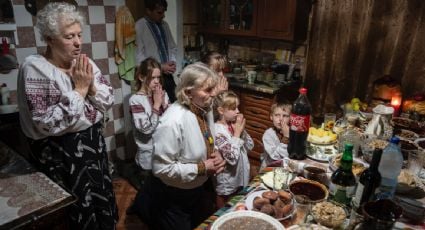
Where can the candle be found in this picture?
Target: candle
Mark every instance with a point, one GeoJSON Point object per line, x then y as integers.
{"type": "Point", "coordinates": [396, 103]}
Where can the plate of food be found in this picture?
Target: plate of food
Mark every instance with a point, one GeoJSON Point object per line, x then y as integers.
{"type": "Point", "coordinates": [358, 165]}
{"type": "Point", "coordinates": [405, 134]}
{"type": "Point", "coordinates": [307, 226]}
{"type": "Point", "coordinates": [321, 152]}
{"type": "Point", "coordinates": [268, 177]}
{"type": "Point", "coordinates": [319, 136]}
{"type": "Point", "coordinates": [329, 214]}
{"type": "Point", "coordinates": [246, 220]}
{"type": "Point", "coordinates": [278, 204]}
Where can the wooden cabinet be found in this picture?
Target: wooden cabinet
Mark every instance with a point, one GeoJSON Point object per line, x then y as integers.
{"type": "Point", "coordinates": [229, 17]}
{"type": "Point", "coordinates": [283, 19]}
{"type": "Point", "coordinates": [275, 19]}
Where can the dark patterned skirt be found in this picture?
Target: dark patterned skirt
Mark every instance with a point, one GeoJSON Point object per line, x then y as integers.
{"type": "Point", "coordinates": [79, 163]}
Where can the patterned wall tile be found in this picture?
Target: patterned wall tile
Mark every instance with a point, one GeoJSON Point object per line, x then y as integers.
{"type": "Point", "coordinates": [115, 80]}
{"type": "Point", "coordinates": [110, 32]}
{"type": "Point", "coordinates": [26, 36]}
{"type": "Point", "coordinates": [110, 14]}
{"type": "Point", "coordinates": [87, 49]}
{"type": "Point", "coordinates": [103, 65]}
{"type": "Point", "coordinates": [111, 47]}
{"type": "Point", "coordinates": [95, 2]}
{"type": "Point", "coordinates": [118, 111]}
{"type": "Point", "coordinates": [84, 11]}
{"type": "Point", "coordinates": [109, 129]}
{"type": "Point", "coordinates": [22, 17]}
{"type": "Point", "coordinates": [86, 34]}
{"type": "Point", "coordinates": [118, 96]}
{"type": "Point", "coordinates": [98, 32]}
{"type": "Point", "coordinates": [112, 65]}
{"type": "Point", "coordinates": [119, 125]}
{"type": "Point", "coordinates": [96, 15]}
{"type": "Point", "coordinates": [100, 50]}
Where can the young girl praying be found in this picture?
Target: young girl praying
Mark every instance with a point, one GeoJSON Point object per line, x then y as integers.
{"type": "Point", "coordinates": [233, 142]}
{"type": "Point", "coordinates": [146, 106]}
{"type": "Point", "coordinates": [276, 138]}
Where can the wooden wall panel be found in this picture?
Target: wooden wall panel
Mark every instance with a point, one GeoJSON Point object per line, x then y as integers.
{"type": "Point", "coordinates": [353, 42]}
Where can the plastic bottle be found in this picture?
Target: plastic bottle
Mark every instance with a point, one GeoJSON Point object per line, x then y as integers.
{"type": "Point", "coordinates": [389, 167]}
{"type": "Point", "coordinates": [299, 126]}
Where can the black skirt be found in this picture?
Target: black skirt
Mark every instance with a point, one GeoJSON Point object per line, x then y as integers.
{"type": "Point", "coordinates": [79, 163]}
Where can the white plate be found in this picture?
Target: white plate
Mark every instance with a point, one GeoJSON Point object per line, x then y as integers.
{"type": "Point", "coordinates": [317, 152]}
{"type": "Point", "coordinates": [231, 215]}
{"type": "Point", "coordinates": [267, 179]}
{"type": "Point", "coordinates": [307, 227]}
{"type": "Point", "coordinates": [250, 200]}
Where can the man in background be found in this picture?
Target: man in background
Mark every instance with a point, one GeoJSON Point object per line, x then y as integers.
{"type": "Point", "coordinates": [154, 39]}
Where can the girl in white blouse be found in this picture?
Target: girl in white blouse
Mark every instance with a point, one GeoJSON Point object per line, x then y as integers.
{"type": "Point", "coordinates": [276, 138]}
{"type": "Point", "coordinates": [233, 142]}
{"type": "Point", "coordinates": [146, 107]}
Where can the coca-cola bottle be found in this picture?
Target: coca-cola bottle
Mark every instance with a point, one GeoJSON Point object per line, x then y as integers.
{"type": "Point", "coordinates": [299, 125]}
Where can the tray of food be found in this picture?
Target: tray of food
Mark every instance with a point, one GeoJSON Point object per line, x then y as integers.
{"type": "Point", "coordinates": [278, 204]}
{"type": "Point", "coordinates": [321, 152]}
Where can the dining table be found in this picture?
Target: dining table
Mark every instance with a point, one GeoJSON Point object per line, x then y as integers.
{"type": "Point", "coordinates": [300, 215]}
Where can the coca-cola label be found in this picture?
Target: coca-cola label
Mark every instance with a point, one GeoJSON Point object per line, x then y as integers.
{"type": "Point", "coordinates": [300, 123]}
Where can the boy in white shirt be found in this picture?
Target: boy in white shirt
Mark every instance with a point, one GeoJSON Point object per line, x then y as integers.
{"type": "Point", "coordinates": [276, 138]}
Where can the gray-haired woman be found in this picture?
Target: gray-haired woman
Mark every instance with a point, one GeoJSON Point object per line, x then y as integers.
{"type": "Point", "coordinates": [184, 155]}
{"type": "Point", "coordinates": [62, 96]}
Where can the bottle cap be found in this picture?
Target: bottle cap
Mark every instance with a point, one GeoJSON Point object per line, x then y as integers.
{"type": "Point", "coordinates": [303, 90]}
{"type": "Point", "coordinates": [394, 140]}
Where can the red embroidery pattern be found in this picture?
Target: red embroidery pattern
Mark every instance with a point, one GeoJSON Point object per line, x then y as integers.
{"type": "Point", "coordinates": [90, 112]}
{"type": "Point", "coordinates": [137, 109]}
{"type": "Point", "coordinates": [41, 93]}
{"type": "Point", "coordinates": [224, 147]}
{"type": "Point", "coordinates": [103, 80]}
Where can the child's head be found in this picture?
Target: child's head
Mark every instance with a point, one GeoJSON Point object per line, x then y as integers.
{"type": "Point", "coordinates": [280, 112]}
{"type": "Point", "coordinates": [148, 75]}
{"type": "Point", "coordinates": [215, 61]}
{"type": "Point", "coordinates": [226, 106]}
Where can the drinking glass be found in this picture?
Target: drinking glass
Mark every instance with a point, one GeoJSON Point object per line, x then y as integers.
{"type": "Point", "coordinates": [329, 121]}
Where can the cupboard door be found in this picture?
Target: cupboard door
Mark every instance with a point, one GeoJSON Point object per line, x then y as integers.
{"type": "Point", "coordinates": [276, 19]}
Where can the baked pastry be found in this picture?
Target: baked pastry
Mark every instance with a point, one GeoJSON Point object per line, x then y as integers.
{"type": "Point", "coordinates": [259, 202]}
{"type": "Point", "coordinates": [272, 196]}
{"type": "Point", "coordinates": [284, 196]}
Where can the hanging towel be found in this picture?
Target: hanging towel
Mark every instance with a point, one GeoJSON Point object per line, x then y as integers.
{"type": "Point", "coordinates": [125, 43]}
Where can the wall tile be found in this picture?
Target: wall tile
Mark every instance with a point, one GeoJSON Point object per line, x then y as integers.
{"type": "Point", "coordinates": [119, 126]}
{"type": "Point", "coordinates": [86, 34]}
{"type": "Point", "coordinates": [109, 115]}
{"type": "Point", "coordinates": [85, 11]}
{"type": "Point", "coordinates": [103, 65]}
{"type": "Point", "coordinates": [100, 50]}
{"type": "Point", "coordinates": [81, 2]}
{"type": "Point", "coordinates": [110, 14]}
{"type": "Point", "coordinates": [98, 32]}
{"type": "Point", "coordinates": [110, 31]}
{"type": "Point", "coordinates": [41, 49]}
{"type": "Point", "coordinates": [118, 96]}
{"type": "Point", "coordinates": [18, 2]}
{"type": "Point", "coordinates": [112, 66]}
{"type": "Point", "coordinates": [22, 17]}
{"type": "Point", "coordinates": [26, 36]}
{"type": "Point", "coordinates": [109, 129]}
{"type": "Point", "coordinates": [22, 53]}
{"type": "Point", "coordinates": [118, 111]}
{"type": "Point", "coordinates": [94, 2]}
{"type": "Point", "coordinates": [115, 80]}
{"type": "Point", "coordinates": [96, 15]}
{"type": "Point", "coordinates": [109, 2]}
{"type": "Point", "coordinates": [87, 49]}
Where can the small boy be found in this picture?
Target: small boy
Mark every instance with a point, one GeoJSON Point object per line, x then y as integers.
{"type": "Point", "coordinates": [275, 139]}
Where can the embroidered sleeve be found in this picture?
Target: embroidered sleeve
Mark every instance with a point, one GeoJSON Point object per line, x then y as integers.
{"type": "Point", "coordinates": [143, 122]}
{"type": "Point", "coordinates": [52, 111]}
{"type": "Point", "coordinates": [273, 147]}
{"type": "Point", "coordinates": [248, 142]}
{"type": "Point", "coordinates": [229, 147]}
{"type": "Point", "coordinates": [104, 97]}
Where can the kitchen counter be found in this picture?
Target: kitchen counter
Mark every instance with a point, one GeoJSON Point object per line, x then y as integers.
{"type": "Point", "coordinates": [28, 196]}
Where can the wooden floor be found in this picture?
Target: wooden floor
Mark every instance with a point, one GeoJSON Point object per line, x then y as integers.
{"type": "Point", "coordinates": [125, 193]}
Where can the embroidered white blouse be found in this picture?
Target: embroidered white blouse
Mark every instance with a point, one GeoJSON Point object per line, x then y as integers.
{"type": "Point", "coordinates": [178, 146]}
{"type": "Point", "coordinates": [273, 147]}
{"type": "Point", "coordinates": [235, 152]}
{"type": "Point", "coordinates": [145, 119]}
{"type": "Point", "coordinates": [48, 104]}
{"type": "Point", "coordinates": [146, 44]}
